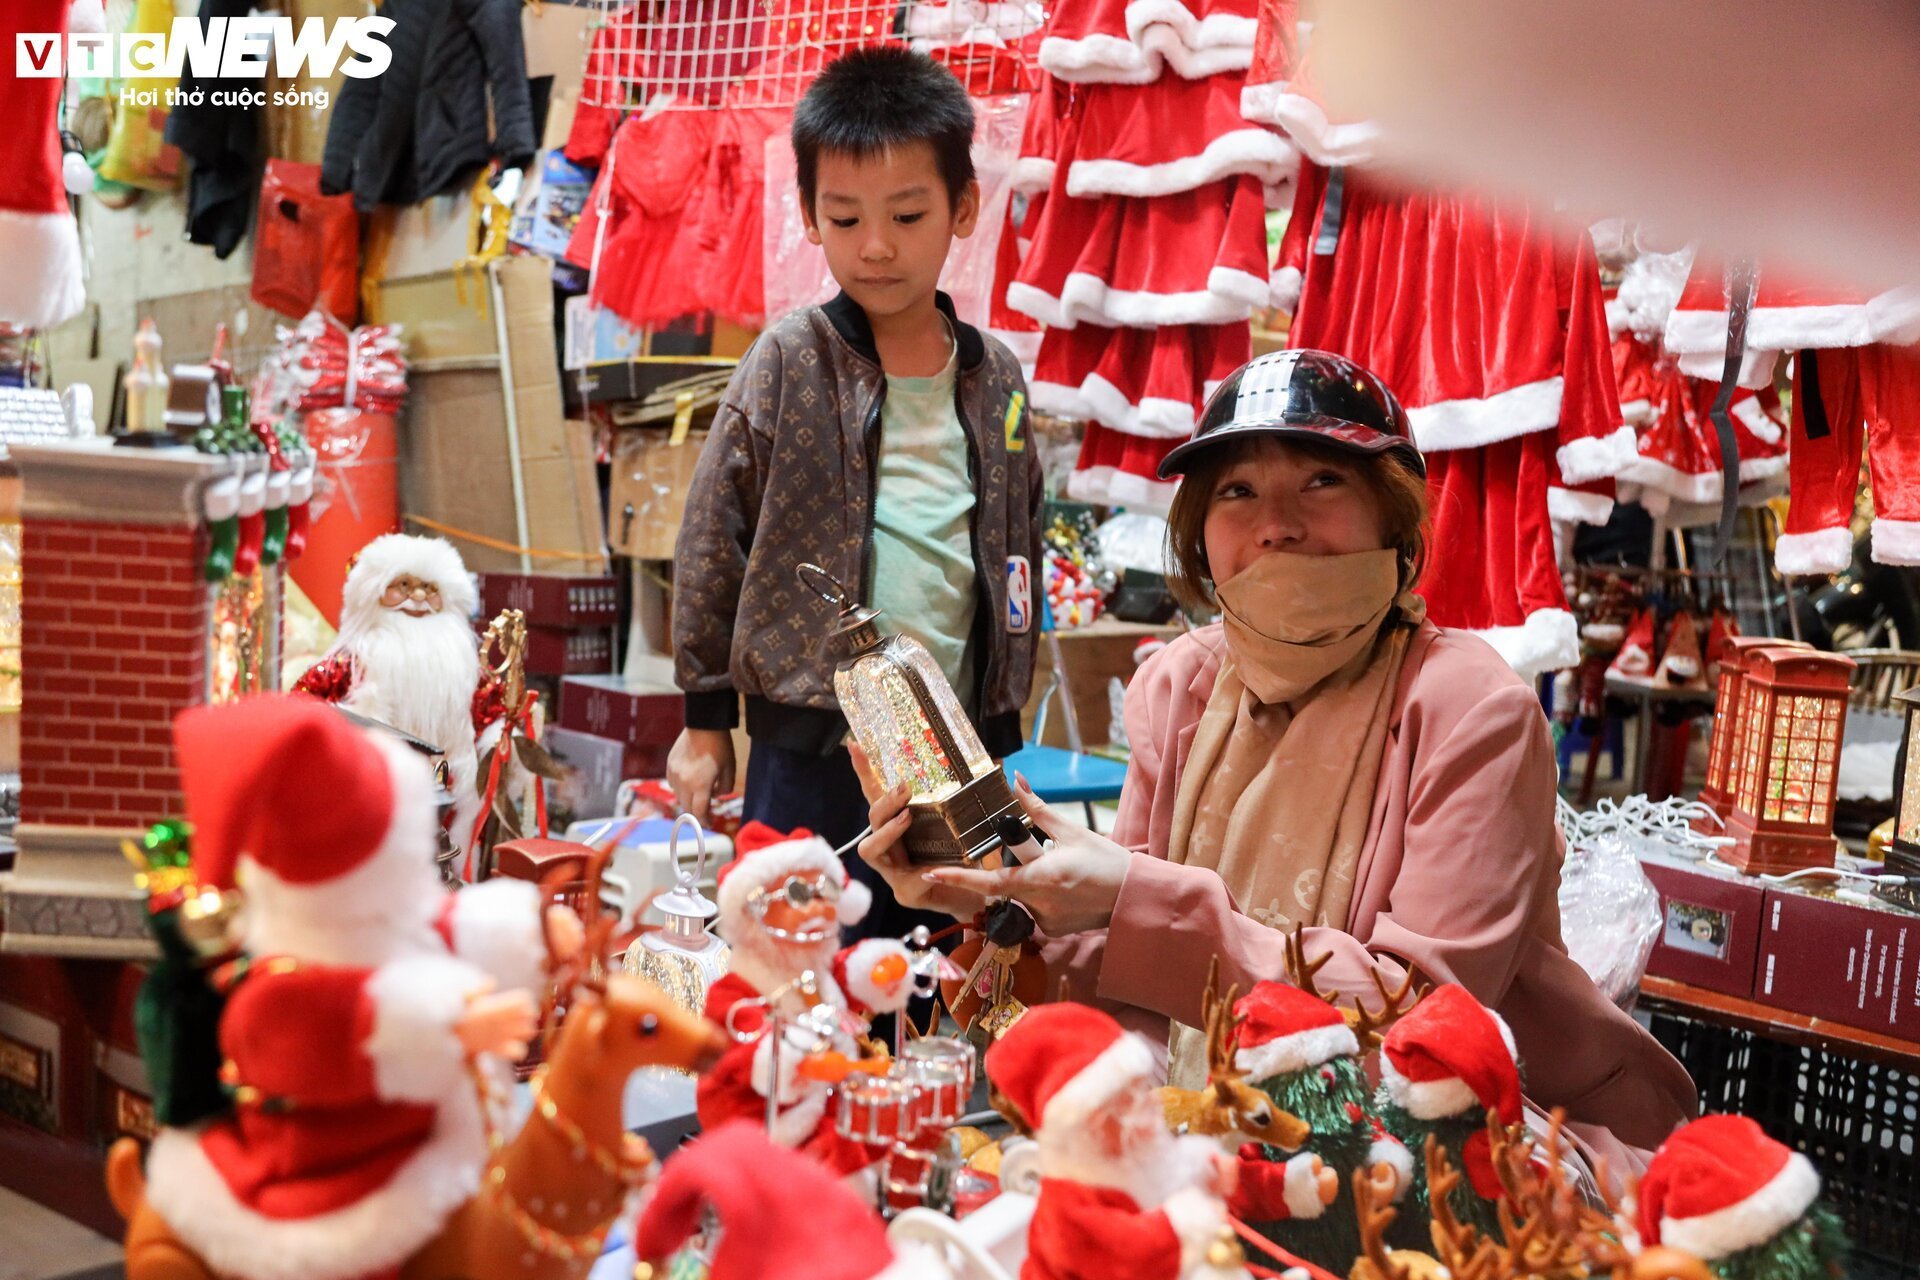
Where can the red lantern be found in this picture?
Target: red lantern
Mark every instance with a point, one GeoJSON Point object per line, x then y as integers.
{"type": "Point", "coordinates": [1793, 706]}
{"type": "Point", "coordinates": [1717, 794]}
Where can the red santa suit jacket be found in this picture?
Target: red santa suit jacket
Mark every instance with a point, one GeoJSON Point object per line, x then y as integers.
{"type": "Point", "coordinates": [1082, 1232]}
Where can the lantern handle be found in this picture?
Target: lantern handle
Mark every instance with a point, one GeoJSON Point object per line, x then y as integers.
{"type": "Point", "coordinates": [673, 848]}
{"type": "Point", "coordinates": [812, 576]}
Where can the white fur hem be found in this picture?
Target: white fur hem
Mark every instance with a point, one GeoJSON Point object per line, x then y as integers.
{"type": "Point", "coordinates": [220, 500]}
{"type": "Point", "coordinates": [42, 286]}
{"type": "Point", "coordinates": [1468, 424]}
{"type": "Point", "coordinates": [1753, 416]}
{"type": "Point", "coordinates": [1301, 1187]}
{"type": "Point", "coordinates": [772, 865]}
{"type": "Point", "coordinates": [1197, 1220]}
{"type": "Point", "coordinates": [1258, 102]}
{"type": "Point", "coordinates": [1031, 174]}
{"type": "Point", "coordinates": [1394, 1154]}
{"type": "Point", "coordinates": [497, 927]}
{"type": "Point", "coordinates": [1319, 139]}
{"type": "Point", "coordinates": [417, 1002]}
{"type": "Point", "coordinates": [1570, 506]}
{"type": "Point", "coordinates": [859, 985]}
{"type": "Point", "coordinates": [1284, 288]}
{"type": "Point", "coordinates": [1111, 486]}
{"type": "Point", "coordinates": [1896, 541]}
{"type": "Point", "coordinates": [1750, 1222]}
{"type": "Point", "coordinates": [1427, 1099]}
{"type": "Point", "coordinates": [1259, 152]}
{"type": "Point", "coordinates": [1599, 457]}
{"type": "Point", "coordinates": [1807, 554]}
{"type": "Point", "coordinates": [379, 1231]}
{"type": "Point", "coordinates": [1230, 297]}
{"type": "Point", "coordinates": [1215, 31]}
{"type": "Point", "coordinates": [1120, 1064]}
{"type": "Point", "coordinates": [1638, 413]}
{"type": "Point", "coordinates": [1756, 367]}
{"type": "Point", "coordinates": [1096, 59]}
{"type": "Point", "coordinates": [1287, 1054]}
{"type": "Point", "coordinates": [1892, 317]}
{"type": "Point", "coordinates": [1548, 640]}
{"type": "Point", "coordinates": [1153, 418]}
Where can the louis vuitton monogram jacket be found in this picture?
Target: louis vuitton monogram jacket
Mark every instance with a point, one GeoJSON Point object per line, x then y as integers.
{"type": "Point", "coordinates": [787, 476]}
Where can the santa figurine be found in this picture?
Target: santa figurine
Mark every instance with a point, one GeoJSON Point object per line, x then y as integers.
{"type": "Point", "coordinates": [1120, 1197]}
{"type": "Point", "coordinates": [365, 993]}
{"type": "Point", "coordinates": [407, 657]}
{"type": "Point", "coordinates": [1723, 1191]}
{"type": "Point", "coordinates": [782, 902]}
{"type": "Point", "coordinates": [876, 976]}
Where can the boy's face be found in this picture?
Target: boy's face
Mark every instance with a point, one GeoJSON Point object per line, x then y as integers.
{"type": "Point", "coordinates": [886, 223]}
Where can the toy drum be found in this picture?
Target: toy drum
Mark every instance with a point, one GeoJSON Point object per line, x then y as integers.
{"type": "Point", "coordinates": [870, 1109]}
{"type": "Point", "coordinates": [940, 1068]}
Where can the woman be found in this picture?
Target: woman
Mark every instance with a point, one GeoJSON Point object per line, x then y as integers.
{"type": "Point", "coordinates": [1323, 757]}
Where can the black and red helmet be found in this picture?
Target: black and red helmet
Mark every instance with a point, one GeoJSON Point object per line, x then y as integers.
{"type": "Point", "coordinates": [1311, 395]}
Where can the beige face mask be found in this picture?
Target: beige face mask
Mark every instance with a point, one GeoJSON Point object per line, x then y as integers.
{"type": "Point", "coordinates": [1293, 620]}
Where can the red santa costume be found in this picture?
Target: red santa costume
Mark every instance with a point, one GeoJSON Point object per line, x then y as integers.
{"type": "Point", "coordinates": [1120, 1197]}
{"type": "Point", "coordinates": [356, 1131]}
{"type": "Point", "coordinates": [417, 671]}
{"type": "Point", "coordinates": [763, 965]}
{"type": "Point", "coordinates": [1451, 1057]}
{"type": "Point", "coordinates": [42, 285]}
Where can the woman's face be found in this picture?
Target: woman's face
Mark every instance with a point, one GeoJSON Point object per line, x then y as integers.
{"type": "Point", "coordinates": [1273, 498]}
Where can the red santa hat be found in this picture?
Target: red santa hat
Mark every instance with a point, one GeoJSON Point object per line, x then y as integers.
{"type": "Point", "coordinates": [1721, 1185]}
{"type": "Point", "coordinates": [390, 555]}
{"type": "Point", "coordinates": [1284, 1029]}
{"type": "Point", "coordinates": [763, 857]}
{"type": "Point", "coordinates": [310, 814]}
{"type": "Point", "coordinates": [1060, 1063]}
{"type": "Point", "coordinates": [776, 1208]}
{"type": "Point", "coordinates": [1450, 1054]}
{"type": "Point", "coordinates": [39, 239]}
{"type": "Point", "coordinates": [854, 970]}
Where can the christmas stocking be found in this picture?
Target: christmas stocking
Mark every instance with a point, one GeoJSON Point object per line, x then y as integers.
{"type": "Point", "coordinates": [253, 523]}
{"type": "Point", "coordinates": [299, 509]}
{"type": "Point", "coordinates": [222, 507]}
{"type": "Point", "coordinates": [274, 544]}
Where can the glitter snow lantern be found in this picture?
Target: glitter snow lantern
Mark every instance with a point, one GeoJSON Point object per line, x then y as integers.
{"type": "Point", "coordinates": [1717, 793]}
{"type": "Point", "coordinates": [683, 958]}
{"type": "Point", "coordinates": [1786, 764]}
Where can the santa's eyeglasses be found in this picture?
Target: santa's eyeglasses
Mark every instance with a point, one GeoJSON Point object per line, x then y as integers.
{"type": "Point", "coordinates": [405, 588]}
{"type": "Point", "coordinates": [798, 891]}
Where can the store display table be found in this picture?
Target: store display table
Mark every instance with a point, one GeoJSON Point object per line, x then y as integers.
{"type": "Point", "coordinates": [1663, 995]}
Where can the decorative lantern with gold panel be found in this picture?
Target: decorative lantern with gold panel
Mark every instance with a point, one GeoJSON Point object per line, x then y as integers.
{"type": "Point", "coordinates": [1786, 763]}
{"type": "Point", "coordinates": [1717, 793]}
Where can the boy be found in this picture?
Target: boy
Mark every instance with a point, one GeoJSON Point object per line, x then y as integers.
{"type": "Point", "coordinates": [877, 436]}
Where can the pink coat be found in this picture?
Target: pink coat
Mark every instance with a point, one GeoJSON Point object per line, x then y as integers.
{"type": "Point", "coordinates": [1459, 877]}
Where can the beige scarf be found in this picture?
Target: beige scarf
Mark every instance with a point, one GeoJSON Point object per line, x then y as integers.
{"type": "Point", "coordinates": [1278, 787]}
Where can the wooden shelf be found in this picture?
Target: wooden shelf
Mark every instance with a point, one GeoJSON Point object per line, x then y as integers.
{"type": "Point", "coordinates": [1657, 994]}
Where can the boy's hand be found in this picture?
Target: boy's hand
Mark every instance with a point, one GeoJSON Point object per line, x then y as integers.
{"type": "Point", "coordinates": [699, 767]}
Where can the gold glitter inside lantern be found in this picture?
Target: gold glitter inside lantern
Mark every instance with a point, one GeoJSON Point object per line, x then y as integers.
{"type": "Point", "coordinates": [682, 957]}
{"type": "Point", "coordinates": [909, 722]}
{"type": "Point", "coordinates": [1793, 709]}
{"type": "Point", "coordinates": [1723, 747]}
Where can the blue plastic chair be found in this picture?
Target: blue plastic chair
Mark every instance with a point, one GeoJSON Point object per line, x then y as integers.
{"type": "Point", "coordinates": [1059, 775]}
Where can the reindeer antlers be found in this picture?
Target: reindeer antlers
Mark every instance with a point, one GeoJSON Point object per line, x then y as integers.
{"type": "Point", "coordinates": [1299, 971]}
{"type": "Point", "coordinates": [1219, 1024]}
{"type": "Point", "coordinates": [1373, 1204]}
{"type": "Point", "coordinates": [1368, 1025]}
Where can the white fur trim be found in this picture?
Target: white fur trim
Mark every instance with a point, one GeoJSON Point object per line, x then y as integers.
{"type": "Point", "coordinates": [42, 286]}
{"type": "Point", "coordinates": [279, 488]}
{"type": "Point", "coordinates": [1163, 47]}
{"type": "Point", "coordinates": [1230, 297]}
{"type": "Point", "coordinates": [1111, 486]}
{"type": "Point", "coordinates": [1892, 317]}
{"type": "Point", "coordinates": [1260, 152]}
{"type": "Point", "coordinates": [855, 901]}
{"type": "Point", "coordinates": [1284, 1055]}
{"type": "Point", "coordinates": [1547, 641]}
{"type": "Point", "coordinates": [861, 959]}
{"type": "Point", "coordinates": [1283, 289]}
{"type": "Point", "coordinates": [1597, 458]}
{"type": "Point", "coordinates": [1096, 59]}
{"type": "Point", "coordinates": [1637, 413]}
{"type": "Point", "coordinates": [497, 928]}
{"type": "Point", "coordinates": [1121, 1063]}
{"type": "Point", "coordinates": [1756, 367]}
{"type": "Point", "coordinates": [221, 499]}
{"type": "Point", "coordinates": [1031, 174]}
{"type": "Point", "coordinates": [1258, 101]}
{"type": "Point", "coordinates": [1058, 400]}
{"type": "Point", "coordinates": [392, 554]}
{"type": "Point", "coordinates": [1153, 418]}
{"type": "Point", "coordinates": [1896, 541]}
{"type": "Point", "coordinates": [1393, 1153]}
{"type": "Point", "coordinates": [253, 493]}
{"type": "Point", "coordinates": [1319, 139]}
{"type": "Point", "coordinates": [1750, 1222]}
{"type": "Point", "coordinates": [300, 488]}
{"type": "Point", "coordinates": [1197, 1219]}
{"type": "Point", "coordinates": [1606, 634]}
{"type": "Point", "coordinates": [377, 1232]}
{"type": "Point", "coordinates": [1215, 31]}
{"type": "Point", "coordinates": [382, 909]}
{"type": "Point", "coordinates": [1687, 486]}
{"type": "Point", "coordinates": [1822, 551]}
{"type": "Point", "coordinates": [417, 1002]}
{"type": "Point", "coordinates": [1753, 415]}
{"type": "Point", "coordinates": [1301, 1186]}
{"type": "Point", "coordinates": [773, 864]}
{"type": "Point", "coordinates": [1570, 506]}
{"type": "Point", "coordinates": [1427, 1099]}
{"type": "Point", "coordinates": [1468, 424]}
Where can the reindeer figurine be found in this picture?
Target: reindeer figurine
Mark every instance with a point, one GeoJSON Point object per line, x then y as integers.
{"type": "Point", "coordinates": [1228, 1107]}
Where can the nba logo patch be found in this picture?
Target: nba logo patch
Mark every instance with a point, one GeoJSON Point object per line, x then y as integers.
{"type": "Point", "coordinates": [1019, 596]}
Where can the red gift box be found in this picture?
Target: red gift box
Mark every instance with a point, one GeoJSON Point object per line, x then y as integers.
{"type": "Point", "coordinates": [557, 651]}
{"type": "Point", "coordinates": [1851, 964]}
{"type": "Point", "coordinates": [1710, 926]}
{"type": "Point", "coordinates": [635, 712]}
{"type": "Point", "coordinates": [552, 599]}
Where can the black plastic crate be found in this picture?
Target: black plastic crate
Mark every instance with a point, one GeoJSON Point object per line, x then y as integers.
{"type": "Point", "coordinates": [1857, 1120]}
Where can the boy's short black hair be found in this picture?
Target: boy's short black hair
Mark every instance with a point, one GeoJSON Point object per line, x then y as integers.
{"type": "Point", "coordinates": [870, 100]}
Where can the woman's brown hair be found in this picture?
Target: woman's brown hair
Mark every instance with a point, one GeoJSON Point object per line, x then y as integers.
{"type": "Point", "coordinates": [1401, 493]}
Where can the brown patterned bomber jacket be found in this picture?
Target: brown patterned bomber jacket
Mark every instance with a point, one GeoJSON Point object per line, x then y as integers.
{"type": "Point", "coordinates": [787, 476]}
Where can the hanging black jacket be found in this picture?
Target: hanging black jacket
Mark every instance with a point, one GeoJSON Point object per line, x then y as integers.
{"type": "Point", "coordinates": [225, 145]}
{"type": "Point", "coordinates": [420, 130]}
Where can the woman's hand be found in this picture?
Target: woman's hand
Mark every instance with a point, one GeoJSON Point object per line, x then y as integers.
{"type": "Point", "coordinates": [1070, 888]}
{"type": "Point", "coordinates": [882, 849]}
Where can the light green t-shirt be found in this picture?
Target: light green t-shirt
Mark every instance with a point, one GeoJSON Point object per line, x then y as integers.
{"type": "Point", "coordinates": [923, 575]}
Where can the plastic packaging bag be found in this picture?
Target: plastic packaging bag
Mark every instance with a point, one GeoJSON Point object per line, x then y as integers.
{"type": "Point", "coordinates": [1610, 913]}
{"type": "Point", "coordinates": [306, 247]}
{"type": "Point", "coordinates": [1134, 540]}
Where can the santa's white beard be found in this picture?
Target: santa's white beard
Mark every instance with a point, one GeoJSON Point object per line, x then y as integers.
{"type": "Point", "coordinates": [1150, 1172]}
{"type": "Point", "coordinates": [416, 674]}
{"type": "Point", "coordinates": [769, 963]}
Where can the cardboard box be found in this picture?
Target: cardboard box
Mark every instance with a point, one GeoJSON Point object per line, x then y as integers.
{"type": "Point", "coordinates": [630, 711]}
{"type": "Point", "coordinates": [1851, 964]}
{"type": "Point", "coordinates": [1710, 928]}
{"type": "Point", "coordinates": [647, 496]}
{"type": "Point", "coordinates": [565, 651]}
{"type": "Point", "coordinates": [595, 767]}
{"type": "Point", "coordinates": [553, 599]}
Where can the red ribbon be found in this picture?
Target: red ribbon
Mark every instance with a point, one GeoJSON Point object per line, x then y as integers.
{"type": "Point", "coordinates": [500, 755]}
{"type": "Point", "coordinates": [1290, 1260]}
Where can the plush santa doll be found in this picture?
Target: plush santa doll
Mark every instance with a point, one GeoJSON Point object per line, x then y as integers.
{"type": "Point", "coordinates": [407, 657]}
{"type": "Point", "coordinates": [1723, 1191]}
{"type": "Point", "coordinates": [1120, 1197]}
{"type": "Point", "coordinates": [781, 1216]}
{"type": "Point", "coordinates": [1300, 1051]}
{"type": "Point", "coordinates": [365, 992]}
{"type": "Point", "coordinates": [782, 901]}
{"type": "Point", "coordinates": [39, 239]}
{"type": "Point", "coordinates": [1443, 1066]}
